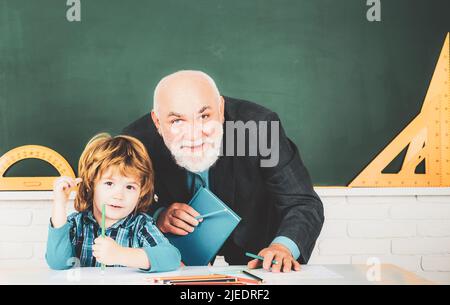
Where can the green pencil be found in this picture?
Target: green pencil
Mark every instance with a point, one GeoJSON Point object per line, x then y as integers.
{"type": "Point", "coordinates": [259, 257]}
{"type": "Point", "coordinates": [210, 214]}
{"type": "Point", "coordinates": [103, 229]}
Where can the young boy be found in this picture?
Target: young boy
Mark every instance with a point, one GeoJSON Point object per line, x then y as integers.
{"type": "Point", "coordinates": [115, 172]}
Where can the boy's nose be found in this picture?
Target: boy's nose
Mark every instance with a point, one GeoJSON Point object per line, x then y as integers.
{"type": "Point", "coordinates": [118, 194]}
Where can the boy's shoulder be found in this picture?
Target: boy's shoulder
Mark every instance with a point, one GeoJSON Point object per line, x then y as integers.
{"type": "Point", "coordinates": [80, 218]}
{"type": "Point", "coordinates": [141, 220]}
{"type": "Point", "coordinates": [75, 217]}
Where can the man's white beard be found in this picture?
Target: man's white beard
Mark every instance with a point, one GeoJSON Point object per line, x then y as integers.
{"type": "Point", "coordinates": [197, 161]}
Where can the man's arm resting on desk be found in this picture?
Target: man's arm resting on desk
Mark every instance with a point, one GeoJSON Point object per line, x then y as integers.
{"type": "Point", "coordinates": [289, 244]}
{"type": "Point", "coordinates": [299, 207]}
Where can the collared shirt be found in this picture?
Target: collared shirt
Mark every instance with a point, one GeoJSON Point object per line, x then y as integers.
{"type": "Point", "coordinates": [76, 238]}
{"type": "Point", "coordinates": [197, 180]}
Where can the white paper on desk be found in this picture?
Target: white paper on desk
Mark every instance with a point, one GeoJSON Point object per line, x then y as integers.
{"type": "Point", "coordinates": [94, 275]}
{"type": "Point", "coordinates": [307, 272]}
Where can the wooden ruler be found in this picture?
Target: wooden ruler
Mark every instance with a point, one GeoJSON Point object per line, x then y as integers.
{"type": "Point", "coordinates": [427, 138]}
{"type": "Point", "coordinates": [32, 183]}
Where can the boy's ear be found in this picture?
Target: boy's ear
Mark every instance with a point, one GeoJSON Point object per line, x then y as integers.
{"type": "Point", "coordinates": [155, 120]}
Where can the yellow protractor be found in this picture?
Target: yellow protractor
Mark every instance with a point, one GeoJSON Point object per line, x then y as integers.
{"type": "Point", "coordinates": [32, 183]}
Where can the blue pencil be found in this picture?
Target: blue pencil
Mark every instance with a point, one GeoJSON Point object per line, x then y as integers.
{"type": "Point", "coordinates": [210, 214]}
{"type": "Point", "coordinates": [259, 257]}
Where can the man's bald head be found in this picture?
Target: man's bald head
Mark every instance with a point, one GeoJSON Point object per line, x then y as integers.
{"type": "Point", "coordinates": [185, 85]}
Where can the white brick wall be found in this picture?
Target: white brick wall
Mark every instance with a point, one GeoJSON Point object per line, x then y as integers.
{"type": "Point", "coordinates": [436, 263]}
{"type": "Point", "coordinates": [433, 228]}
{"type": "Point", "coordinates": [409, 228]}
{"type": "Point", "coordinates": [381, 229]}
{"type": "Point", "coordinates": [406, 227]}
{"type": "Point", "coordinates": [24, 218]}
{"type": "Point", "coordinates": [423, 246]}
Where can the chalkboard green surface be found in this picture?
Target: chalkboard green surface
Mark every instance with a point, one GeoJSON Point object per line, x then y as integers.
{"type": "Point", "coordinates": [343, 86]}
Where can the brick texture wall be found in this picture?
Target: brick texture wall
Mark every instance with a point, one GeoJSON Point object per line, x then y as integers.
{"type": "Point", "coordinates": [406, 227]}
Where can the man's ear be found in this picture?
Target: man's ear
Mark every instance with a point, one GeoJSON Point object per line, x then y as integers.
{"type": "Point", "coordinates": [222, 108]}
{"type": "Point", "coordinates": [156, 121]}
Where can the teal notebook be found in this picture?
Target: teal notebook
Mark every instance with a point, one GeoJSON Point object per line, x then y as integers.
{"type": "Point", "coordinates": [199, 247]}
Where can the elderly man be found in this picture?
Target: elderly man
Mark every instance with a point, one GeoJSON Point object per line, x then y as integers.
{"type": "Point", "coordinates": [188, 139]}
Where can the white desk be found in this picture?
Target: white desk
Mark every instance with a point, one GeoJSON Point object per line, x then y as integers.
{"type": "Point", "coordinates": [327, 274]}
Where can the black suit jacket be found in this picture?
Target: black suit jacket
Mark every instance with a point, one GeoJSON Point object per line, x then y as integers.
{"type": "Point", "coordinates": [272, 201]}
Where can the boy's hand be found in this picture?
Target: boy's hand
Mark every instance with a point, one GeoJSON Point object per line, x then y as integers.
{"type": "Point", "coordinates": [62, 188]}
{"type": "Point", "coordinates": [107, 251]}
{"type": "Point", "coordinates": [61, 191]}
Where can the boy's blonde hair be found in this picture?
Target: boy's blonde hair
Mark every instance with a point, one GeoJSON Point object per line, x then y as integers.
{"type": "Point", "coordinates": [127, 154]}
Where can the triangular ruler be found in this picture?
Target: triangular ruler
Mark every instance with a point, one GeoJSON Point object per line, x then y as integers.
{"type": "Point", "coordinates": [426, 140]}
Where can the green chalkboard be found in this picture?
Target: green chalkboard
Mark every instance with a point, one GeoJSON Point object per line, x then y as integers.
{"type": "Point", "coordinates": [343, 86]}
